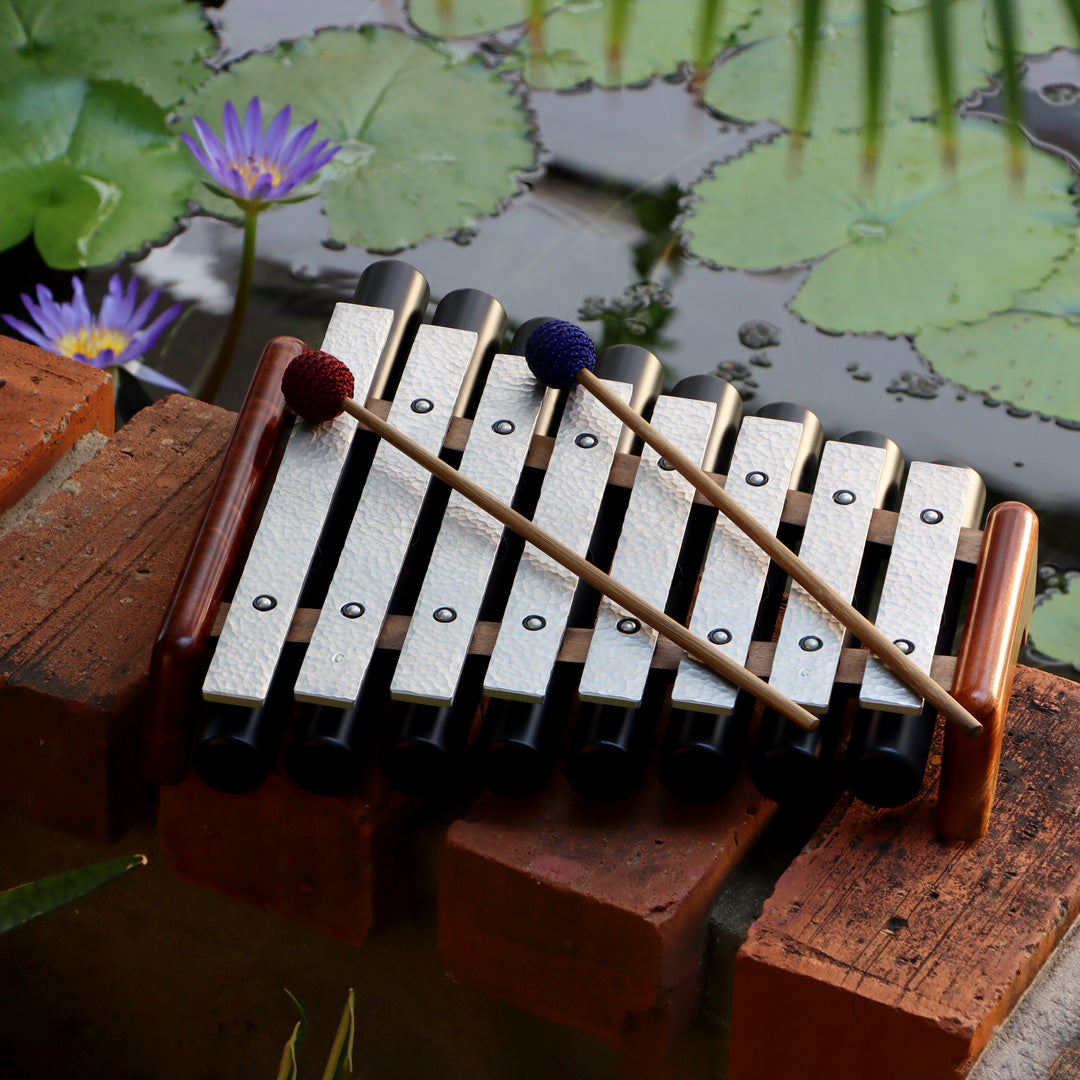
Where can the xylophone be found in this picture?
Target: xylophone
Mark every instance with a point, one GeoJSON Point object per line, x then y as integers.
{"type": "Point", "coordinates": [374, 615]}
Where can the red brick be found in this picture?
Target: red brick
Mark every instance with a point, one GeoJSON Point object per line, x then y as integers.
{"type": "Point", "coordinates": [588, 914]}
{"type": "Point", "coordinates": [47, 402]}
{"type": "Point", "coordinates": [332, 864]}
{"type": "Point", "coordinates": [884, 952]}
{"type": "Point", "coordinates": [84, 581]}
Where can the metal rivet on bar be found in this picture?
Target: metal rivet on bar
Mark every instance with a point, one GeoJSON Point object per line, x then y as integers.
{"type": "Point", "coordinates": [534, 622]}
{"type": "Point", "coordinates": [444, 614]}
{"type": "Point", "coordinates": [810, 643]}
{"type": "Point", "coordinates": [586, 440]}
{"type": "Point", "coordinates": [757, 479]}
{"type": "Point", "coordinates": [905, 646]}
{"type": "Point", "coordinates": [628, 626]}
{"type": "Point", "coordinates": [844, 497]}
{"type": "Point", "coordinates": [719, 636]}
{"type": "Point", "coordinates": [264, 602]}
{"type": "Point", "coordinates": [422, 405]}
{"type": "Point", "coordinates": [931, 517]}
{"type": "Point", "coordinates": [352, 611]}
{"type": "Point", "coordinates": [666, 465]}
{"type": "Point", "coordinates": [503, 427]}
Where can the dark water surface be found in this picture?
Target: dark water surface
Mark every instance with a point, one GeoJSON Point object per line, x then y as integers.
{"type": "Point", "coordinates": [570, 234]}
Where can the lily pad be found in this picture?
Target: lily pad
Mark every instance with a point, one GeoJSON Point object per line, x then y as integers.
{"type": "Point", "coordinates": [1041, 25]}
{"type": "Point", "coordinates": [758, 83]}
{"type": "Point", "coordinates": [458, 18]}
{"type": "Point", "coordinates": [1059, 294]}
{"type": "Point", "coordinates": [660, 39]}
{"type": "Point", "coordinates": [921, 246]}
{"type": "Point", "coordinates": [1024, 358]}
{"type": "Point", "coordinates": [156, 45]}
{"type": "Point", "coordinates": [429, 143]}
{"type": "Point", "coordinates": [89, 168]}
{"type": "Point", "coordinates": [1055, 626]}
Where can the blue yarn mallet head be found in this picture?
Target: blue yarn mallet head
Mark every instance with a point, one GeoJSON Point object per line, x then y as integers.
{"type": "Point", "coordinates": [556, 351]}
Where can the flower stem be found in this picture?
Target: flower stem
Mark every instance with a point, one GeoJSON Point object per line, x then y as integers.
{"type": "Point", "coordinates": [210, 384]}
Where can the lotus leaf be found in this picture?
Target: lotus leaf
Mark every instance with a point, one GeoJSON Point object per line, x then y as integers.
{"type": "Point", "coordinates": [156, 45]}
{"type": "Point", "coordinates": [88, 168]}
{"type": "Point", "coordinates": [921, 246]}
{"type": "Point", "coordinates": [1055, 626]}
{"type": "Point", "coordinates": [456, 18]}
{"type": "Point", "coordinates": [429, 143]}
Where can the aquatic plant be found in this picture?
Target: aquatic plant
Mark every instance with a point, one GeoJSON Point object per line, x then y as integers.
{"type": "Point", "coordinates": [255, 169]}
{"type": "Point", "coordinates": [117, 337]}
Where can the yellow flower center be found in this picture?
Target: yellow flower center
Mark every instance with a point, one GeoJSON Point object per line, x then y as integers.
{"type": "Point", "coordinates": [89, 341]}
{"type": "Point", "coordinates": [254, 168]}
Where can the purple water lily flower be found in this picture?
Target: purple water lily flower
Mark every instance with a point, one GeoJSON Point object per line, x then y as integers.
{"type": "Point", "coordinates": [117, 337]}
{"type": "Point", "coordinates": [254, 168]}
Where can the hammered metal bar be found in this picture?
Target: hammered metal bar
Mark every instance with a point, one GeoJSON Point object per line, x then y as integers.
{"type": "Point", "coordinates": [725, 608]}
{"type": "Point", "coordinates": [577, 474]}
{"type": "Point", "coordinates": [808, 648]}
{"type": "Point", "coordinates": [446, 611]}
{"type": "Point", "coordinates": [342, 642]}
{"type": "Point", "coordinates": [252, 637]}
{"type": "Point", "coordinates": [619, 655]}
{"type": "Point", "coordinates": [938, 501]}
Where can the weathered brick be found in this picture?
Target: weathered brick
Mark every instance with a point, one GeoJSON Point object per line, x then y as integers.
{"type": "Point", "coordinates": [593, 915]}
{"type": "Point", "coordinates": [47, 403]}
{"type": "Point", "coordinates": [884, 952]}
{"type": "Point", "coordinates": [84, 581]}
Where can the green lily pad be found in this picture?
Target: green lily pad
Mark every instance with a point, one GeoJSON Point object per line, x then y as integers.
{"type": "Point", "coordinates": [429, 143]}
{"type": "Point", "coordinates": [1041, 25]}
{"type": "Point", "coordinates": [775, 18]}
{"type": "Point", "coordinates": [758, 83]}
{"type": "Point", "coordinates": [660, 39]}
{"type": "Point", "coordinates": [156, 45]}
{"type": "Point", "coordinates": [921, 246]}
{"type": "Point", "coordinates": [456, 18]}
{"type": "Point", "coordinates": [1024, 358]}
{"type": "Point", "coordinates": [1055, 626]}
{"type": "Point", "coordinates": [1059, 294]}
{"type": "Point", "coordinates": [89, 168]}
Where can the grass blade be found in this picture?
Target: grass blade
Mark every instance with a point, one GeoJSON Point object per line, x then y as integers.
{"type": "Point", "coordinates": [876, 71]}
{"type": "Point", "coordinates": [535, 26]}
{"type": "Point", "coordinates": [813, 14]}
{"type": "Point", "coordinates": [287, 1070]}
{"type": "Point", "coordinates": [708, 24]}
{"type": "Point", "coordinates": [27, 902]}
{"type": "Point", "coordinates": [941, 40]}
{"type": "Point", "coordinates": [1005, 17]}
{"type": "Point", "coordinates": [620, 21]}
{"type": "Point", "coordinates": [340, 1064]}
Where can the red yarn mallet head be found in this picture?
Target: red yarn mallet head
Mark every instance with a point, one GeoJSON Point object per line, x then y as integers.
{"type": "Point", "coordinates": [315, 384]}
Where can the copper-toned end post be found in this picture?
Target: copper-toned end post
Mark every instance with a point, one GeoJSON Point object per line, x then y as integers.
{"type": "Point", "coordinates": [997, 622]}
{"type": "Point", "coordinates": [179, 655]}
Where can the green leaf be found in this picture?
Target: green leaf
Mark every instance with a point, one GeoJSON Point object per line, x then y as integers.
{"type": "Point", "coordinates": [1024, 358]}
{"type": "Point", "coordinates": [89, 168]}
{"type": "Point", "coordinates": [1055, 626]}
{"type": "Point", "coordinates": [1059, 294]}
{"type": "Point", "coordinates": [157, 45]}
{"type": "Point", "coordinates": [659, 38]}
{"type": "Point", "coordinates": [1040, 27]}
{"type": "Point", "coordinates": [289, 1066]}
{"type": "Point", "coordinates": [758, 83]}
{"type": "Point", "coordinates": [428, 144]}
{"type": "Point", "coordinates": [28, 902]}
{"type": "Point", "coordinates": [923, 245]}
{"type": "Point", "coordinates": [339, 1066]}
{"type": "Point", "coordinates": [472, 18]}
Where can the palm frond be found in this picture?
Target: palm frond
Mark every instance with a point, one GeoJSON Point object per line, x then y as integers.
{"type": "Point", "coordinates": [877, 57]}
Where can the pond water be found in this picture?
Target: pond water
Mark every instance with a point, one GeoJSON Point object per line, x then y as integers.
{"type": "Point", "coordinates": [571, 234]}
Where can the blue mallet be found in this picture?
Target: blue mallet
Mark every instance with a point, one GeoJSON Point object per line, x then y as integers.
{"type": "Point", "coordinates": [561, 354]}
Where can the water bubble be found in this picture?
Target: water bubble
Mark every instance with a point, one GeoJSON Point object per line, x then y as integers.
{"type": "Point", "coordinates": [1069, 425]}
{"type": "Point", "coordinates": [917, 384]}
{"type": "Point", "coordinates": [463, 237]}
{"type": "Point", "coordinates": [760, 360]}
{"type": "Point", "coordinates": [302, 272]}
{"type": "Point", "coordinates": [758, 334]}
{"type": "Point", "coordinates": [332, 245]}
{"type": "Point", "coordinates": [862, 376]}
{"type": "Point", "coordinates": [1015, 410]}
{"type": "Point", "coordinates": [1060, 94]}
{"type": "Point", "coordinates": [868, 231]}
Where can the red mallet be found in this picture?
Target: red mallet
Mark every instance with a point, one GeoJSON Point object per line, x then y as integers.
{"type": "Point", "coordinates": [313, 380]}
{"type": "Point", "coordinates": [560, 354]}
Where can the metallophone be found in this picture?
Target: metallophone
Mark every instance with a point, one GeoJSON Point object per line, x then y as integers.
{"type": "Point", "coordinates": [373, 616]}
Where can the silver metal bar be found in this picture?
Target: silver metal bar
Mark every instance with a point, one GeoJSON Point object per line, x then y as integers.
{"type": "Point", "coordinates": [269, 590]}
{"type": "Point", "coordinates": [939, 500]}
{"type": "Point", "coordinates": [437, 642]}
{"type": "Point", "coordinates": [356, 604]}
{"type": "Point", "coordinates": [539, 605]}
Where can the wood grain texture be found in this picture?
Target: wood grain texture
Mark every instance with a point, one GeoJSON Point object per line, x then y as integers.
{"type": "Point", "coordinates": [997, 621]}
{"type": "Point", "coordinates": [179, 656]}
{"type": "Point", "coordinates": [891, 954]}
{"type": "Point", "coordinates": [83, 582]}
